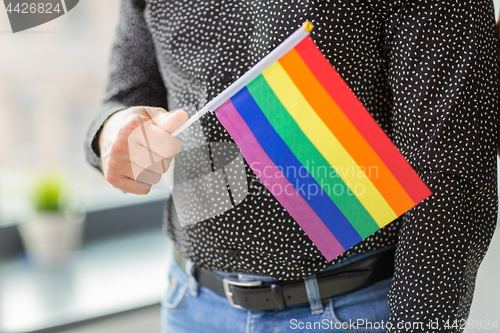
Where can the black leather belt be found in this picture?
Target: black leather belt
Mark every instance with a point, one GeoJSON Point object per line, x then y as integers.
{"type": "Point", "coordinates": [258, 295]}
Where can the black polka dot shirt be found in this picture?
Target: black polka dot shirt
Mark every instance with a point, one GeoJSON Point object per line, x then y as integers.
{"type": "Point", "coordinates": [426, 71]}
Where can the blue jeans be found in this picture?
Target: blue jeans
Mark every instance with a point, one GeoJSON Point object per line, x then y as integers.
{"type": "Point", "coordinates": [189, 308]}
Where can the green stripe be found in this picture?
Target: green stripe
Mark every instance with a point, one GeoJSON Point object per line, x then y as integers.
{"type": "Point", "coordinates": [311, 158]}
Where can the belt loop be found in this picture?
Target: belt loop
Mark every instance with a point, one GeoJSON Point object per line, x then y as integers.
{"type": "Point", "coordinates": [193, 284]}
{"type": "Point", "coordinates": [313, 295]}
{"type": "Point", "coordinates": [278, 296]}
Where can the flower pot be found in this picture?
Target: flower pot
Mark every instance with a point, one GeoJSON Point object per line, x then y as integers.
{"type": "Point", "coordinates": [51, 237]}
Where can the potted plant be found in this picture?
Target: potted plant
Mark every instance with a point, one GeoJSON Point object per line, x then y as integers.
{"type": "Point", "coordinates": [55, 230]}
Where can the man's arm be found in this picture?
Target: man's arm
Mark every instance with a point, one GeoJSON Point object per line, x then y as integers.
{"type": "Point", "coordinates": [444, 83]}
{"type": "Point", "coordinates": [116, 143]}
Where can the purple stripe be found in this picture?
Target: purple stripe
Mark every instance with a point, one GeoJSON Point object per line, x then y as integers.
{"type": "Point", "coordinates": [278, 185]}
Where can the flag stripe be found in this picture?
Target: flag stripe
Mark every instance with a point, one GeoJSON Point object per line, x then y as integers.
{"type": "Point", "coordinates": [292, 201]}
{"type": "Point", "coordinates": [327, 144]}
{"type": "Point", "coordinates": [349, 137]}
{"type": "Point", "coordinates": [281, 156]}
{"type": "Point", "coordinates": [309, 156]}
{"type": "Point", "coordinates": [362, 120]}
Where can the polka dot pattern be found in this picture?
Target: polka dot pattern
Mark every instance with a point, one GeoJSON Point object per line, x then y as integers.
{"type": "Point", "coordinates": [426, 71]}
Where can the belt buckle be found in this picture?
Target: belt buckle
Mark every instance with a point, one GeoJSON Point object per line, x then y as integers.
{"type": "Point", "coordinates": [227, 289]}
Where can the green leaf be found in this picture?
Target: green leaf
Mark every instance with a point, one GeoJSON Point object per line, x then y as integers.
{"type": "Point", "coordinates": [48, 192]}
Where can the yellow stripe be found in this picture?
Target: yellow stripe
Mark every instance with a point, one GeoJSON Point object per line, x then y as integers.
{"type": "Point", "coordinates": [328, 145]}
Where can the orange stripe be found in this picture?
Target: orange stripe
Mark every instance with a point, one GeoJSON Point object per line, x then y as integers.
{"type": "Point", "coordinates": [340, 126]}
{"type": "Point", "coordinates": [359, 116]}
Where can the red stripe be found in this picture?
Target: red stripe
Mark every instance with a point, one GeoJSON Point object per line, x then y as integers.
{"type": "Point", "coordinates": [352, 107]}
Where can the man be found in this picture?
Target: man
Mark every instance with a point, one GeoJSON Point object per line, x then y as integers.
{"type": "Point", "coordinates": [426, 71]}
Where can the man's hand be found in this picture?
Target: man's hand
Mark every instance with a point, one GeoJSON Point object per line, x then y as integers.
{"type": "Point", "coordinates": [137, 147]}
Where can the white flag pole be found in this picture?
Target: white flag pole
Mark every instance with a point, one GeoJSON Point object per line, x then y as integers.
{"type": "Point", "coordinates": [286, 46]}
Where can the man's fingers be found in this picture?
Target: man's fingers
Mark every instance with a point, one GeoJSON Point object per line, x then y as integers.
{"type": "Point", "coordinates": [133, 179]}
{"type": "Point", "coordinates": [162, 142]}
{"type": "Point", "coordinates": [153, 112]}
{"type": "Point", "coordinates": [162, 165]}
{"type": "Point", "coordinates": [148, 177]}
{"type": "Point", "coordinates": [128, 185]}
{"type": "Point", "coordinates": [159, 167]}
{"type": "Point", "coordinates": [147, 158]}
{"type": "Point", "coordinates": [155, 139]}
{"type": "Point", "coordinates": [135, 187]}
{"type": "Point", "coordinates": [150, 173]}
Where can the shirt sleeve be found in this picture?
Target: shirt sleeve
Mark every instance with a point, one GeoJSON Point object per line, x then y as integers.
{"type": "Point", "coordinates": [443, 79]}
{"type": "Point", "coordinates": [134, 78]}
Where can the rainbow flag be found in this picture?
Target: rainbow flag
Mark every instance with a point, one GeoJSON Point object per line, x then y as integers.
{"type": "Point", "coordinates": [318, 150]}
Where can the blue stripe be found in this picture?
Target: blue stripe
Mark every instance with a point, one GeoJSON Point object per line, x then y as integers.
{"type": "Point", "coordinates": [282, 156]}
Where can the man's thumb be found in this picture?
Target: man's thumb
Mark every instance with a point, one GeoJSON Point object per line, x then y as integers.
{"type": "Point", "coordinates": [172, 121]}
